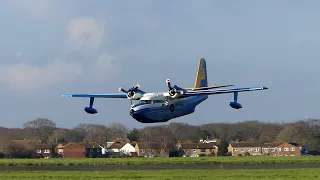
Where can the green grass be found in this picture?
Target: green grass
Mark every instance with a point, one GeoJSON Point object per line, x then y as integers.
{"type": "Point", "coordinates": [179, 160]}
{"type": "Point", "coordinates": [292, 174]}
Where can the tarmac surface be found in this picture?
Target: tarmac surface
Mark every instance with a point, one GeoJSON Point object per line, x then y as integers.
{"type": "Point", "coordinates": [159, 167]}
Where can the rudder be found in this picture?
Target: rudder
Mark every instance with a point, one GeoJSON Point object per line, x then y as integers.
{"type": "Point", "coordinates": [201, 79]}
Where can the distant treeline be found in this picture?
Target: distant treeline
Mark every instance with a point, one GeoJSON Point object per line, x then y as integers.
{"type": "Point", "coordinates": [303, 131]}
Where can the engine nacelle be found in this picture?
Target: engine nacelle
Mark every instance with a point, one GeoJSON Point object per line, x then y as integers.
{"type": "Point", "coordinates": [174, 93]}
{"type": "Point", "coordinates": [134, 95]}
{"type": "Point", "coordinates": [235, 105]}
{"type": "Point", "coordinates": [90, 110]}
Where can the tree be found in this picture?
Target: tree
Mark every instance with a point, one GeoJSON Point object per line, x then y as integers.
{"type": "Point", "coordinates": [4, 144]}
{"type": "Point", "coordinates": [60, 136]}
{"type": "Point", "coordinates": [100, 134]}
{"type": "Point", "coordinates": [133, 135]}
{"type": "Point", "coordinates": [223, 148]}
{"type": "Point", "coordinates": [118, 130]}
{"type": "Point", "coordinates": [269, 132]}
{"type": "Point", "coordinates": [204, 134]}
{"type": "Point", "coordinates": [176, 152]}
{"type": "Point", "coordinates": [298, 131]}
{"type": "Point", "coordinates": [39, 129]}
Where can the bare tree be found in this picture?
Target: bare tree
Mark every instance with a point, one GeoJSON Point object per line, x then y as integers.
{"type": "Point", "coordinates": [118, 130]}
{"type": "Point", "coordinates": [4, 144]}
{"type": "Point", "coordinates": [39, 129]}
{"type": "Point", "coordinates": [100, 134]}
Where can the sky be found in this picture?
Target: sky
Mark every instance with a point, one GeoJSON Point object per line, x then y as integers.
{"type": "Point", "coordinates": [52, 47]}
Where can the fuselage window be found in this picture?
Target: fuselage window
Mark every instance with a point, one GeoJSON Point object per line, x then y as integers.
{"type": "Point", "coordinates": [158, 101]}
{"type": "Point", "coordinates": [145, 101]}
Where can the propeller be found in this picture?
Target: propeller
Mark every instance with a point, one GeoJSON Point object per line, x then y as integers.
{"type": "Point", "coordinates": [130, 92]}
{"type": "Point", "coordinates": [172, 91]}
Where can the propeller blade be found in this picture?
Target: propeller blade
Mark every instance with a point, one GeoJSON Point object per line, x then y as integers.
{"type": "Point", "coordinates": [168, 84]}
{"type": "Point", "coordinates": [137, 86]}
{"type": "Point", "coordinates": [122, 90]}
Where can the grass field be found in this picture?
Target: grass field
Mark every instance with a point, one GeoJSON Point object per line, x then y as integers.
{"type": "Point", "coordinates": [292, 174]}
{"type": "Point", "coordinates": [179, 160]}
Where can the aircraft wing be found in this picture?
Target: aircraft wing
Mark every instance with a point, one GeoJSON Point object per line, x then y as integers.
{"type": "Point", "coordinates": [209, 87]}
{"type": "Point", "coordinates": [115, 95]}
{"type": "Point", "coordinates": [221, 91]}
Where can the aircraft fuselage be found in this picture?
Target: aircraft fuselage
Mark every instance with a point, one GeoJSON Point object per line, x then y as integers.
{"type": "Point", "coordinates": [158, 108]}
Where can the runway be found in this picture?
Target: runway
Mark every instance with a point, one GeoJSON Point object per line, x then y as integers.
{"type": "Point", "coordinates": [158, 167]}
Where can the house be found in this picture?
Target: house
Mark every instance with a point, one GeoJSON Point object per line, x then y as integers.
{"type": "Point", "coordinates": [127, 149]}
{"type": "Point", "coordinates": [92, 149]}
{"type": "Point", "coordinates": [198, 149]}
{"type": "Point", "coordinates": [290, 149]}
{"type": "Point", "coordinates": [109, 144]}
{"type": "Point", "coordinates": [270, 149]}
{"type": "Point", "coordinates": [59, 148]}
{"type": "Point", "coordinates": [283, 149]}
{"type": "Point", "coordinates": [153, 149]}
{"type": "Point", "coordinates": [244, 148]}
{"type": "Point", "coordinates": [115, 147]}
{"type": "Point", "coordinates": [23, 148]}
{"type": "Point", "coordinates": [81, 150]}
{"type": "Point", "coordinates": [45, 150]}
{"type": "Point", "coordinates": [216, 141]}
{"type": "Point", "coordinates": [123, 148]}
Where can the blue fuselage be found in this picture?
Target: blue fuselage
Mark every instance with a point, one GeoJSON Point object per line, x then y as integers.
{"type": "Point", "coordinates": [155, 112]}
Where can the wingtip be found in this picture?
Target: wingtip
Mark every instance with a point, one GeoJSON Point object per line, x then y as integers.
{"type": "Point", "coordinates": [66, 95]}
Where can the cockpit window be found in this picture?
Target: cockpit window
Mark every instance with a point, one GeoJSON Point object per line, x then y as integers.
{"type": "Point", "coordinates": [158, 101]}
{"type": "Point", "coordinates": [150, 101]}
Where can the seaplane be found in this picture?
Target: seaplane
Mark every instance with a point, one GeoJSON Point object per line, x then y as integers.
{"type": "Point", "coordinates": [157, 107]}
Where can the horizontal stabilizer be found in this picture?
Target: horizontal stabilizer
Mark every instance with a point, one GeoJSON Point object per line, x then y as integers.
{"type": "Point", "coordinates": [209, 87]}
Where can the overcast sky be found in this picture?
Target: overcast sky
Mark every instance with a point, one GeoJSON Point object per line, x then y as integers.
{"type": "Point", "coordinates": [52, 47]}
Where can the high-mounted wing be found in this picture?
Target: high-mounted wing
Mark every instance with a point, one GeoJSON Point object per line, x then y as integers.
{"type": "Point", "coordinates": [90, 109]}
{"type": "Point", "coordinates": [116, 95]}
{"type": "Point", "coordinates": [209, 87]}
{"type": "Point", "coordinates": [133, 93]}
{"type": "Point", "coordinates": [221, 91]}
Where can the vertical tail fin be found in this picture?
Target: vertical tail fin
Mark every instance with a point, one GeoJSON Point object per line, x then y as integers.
{"type": "Point", "coordinates": [201, 79]}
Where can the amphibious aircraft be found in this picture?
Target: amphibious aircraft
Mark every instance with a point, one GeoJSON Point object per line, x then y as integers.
{"type": "Point", "coordinates": [176, 102]}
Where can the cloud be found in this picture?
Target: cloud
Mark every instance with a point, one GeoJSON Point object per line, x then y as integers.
{"type": "Point", "coordinates": [85, 34]}
{"type": "Point", "coordinates": [19, 54]}
{"type": "Point", "coordinates": [26, 77]}
{"type": "Point", "coordinates": [39, 9]}
{"type": "Point", "coordinates": [105, 65]}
